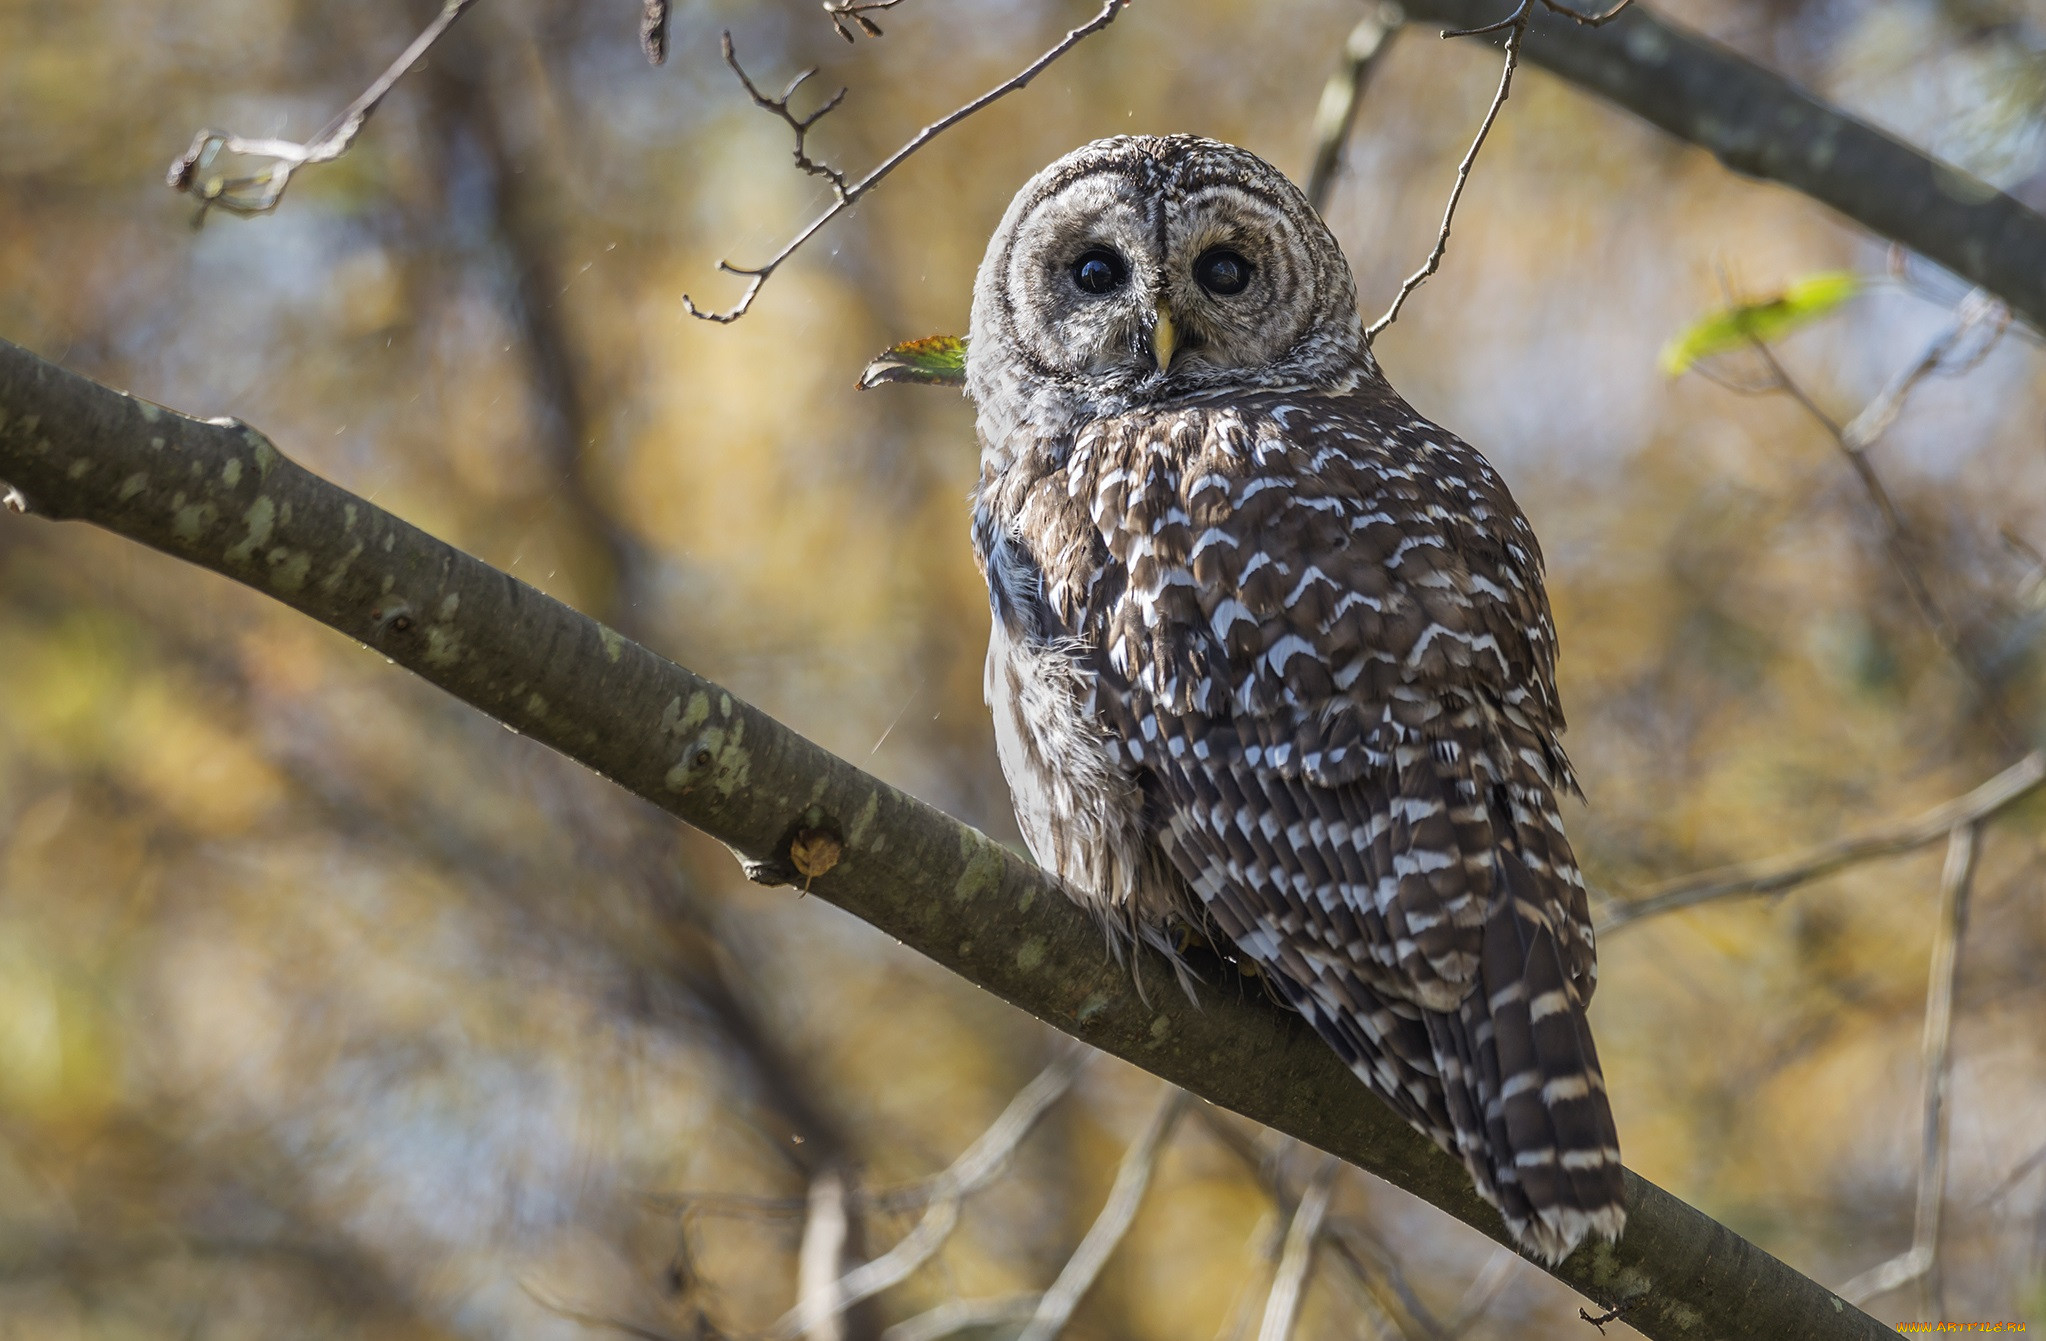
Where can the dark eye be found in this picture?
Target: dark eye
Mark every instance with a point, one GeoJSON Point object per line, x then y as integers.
{"type": "Point", "coordinates": [1222, 271]}
{"type": "Point", "coordinates": [1100, 271]}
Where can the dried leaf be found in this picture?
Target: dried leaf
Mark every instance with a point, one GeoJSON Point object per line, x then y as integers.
{"type": "Point", "coordinates": [813, 852]}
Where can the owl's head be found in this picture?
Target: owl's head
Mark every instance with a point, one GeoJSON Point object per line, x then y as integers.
{"type": "Point", "coordinates": [1144, 269]}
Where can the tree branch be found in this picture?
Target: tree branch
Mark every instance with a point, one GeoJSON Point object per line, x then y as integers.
{"type": "Point", "coordinates": [1132, 1180]}
{"type": "Point", "coordinates": [219, 495]}
{"type": "Point", "coordinates": [1337, 111]}
{"type": "Point", "coordinates": [1289, 1284]}
{"type": "Point", "coordinates": [1920, 1262]}
{"type": "Point", "coordinates": [1761, 125]}
{"type": "Point", "coordinates": [980, 1165]}
{"type": "Point", "coordinates": [288, 156]}
{"type": "Point", "coordinates": [1773, 875]}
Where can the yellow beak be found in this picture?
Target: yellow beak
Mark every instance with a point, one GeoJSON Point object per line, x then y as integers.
{"type": "Point", "coordinates": [1163, 337]}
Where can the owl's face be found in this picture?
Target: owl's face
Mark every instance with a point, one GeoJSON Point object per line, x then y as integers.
{"type": "Point", "coordinates": [1141, 269]}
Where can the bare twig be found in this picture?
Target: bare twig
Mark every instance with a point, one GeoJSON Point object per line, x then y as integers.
{"type": "Point", "coordinates": [799, 124]}
{"type": "Point", "coordinates": [653, 30]}
{"type": "Point", "coordinates": [1333, 116]}
{"type": "Point", "coordinates": [288, 156]}
{"type": "Point", "coordinates": [959, 1315]}
{"type": "Point", "coordinates": [606, 1321]}
{"type": "Point", "coordinates": [1587, 20]}
{"type": "Point", "coordinates": [1897, 536]}
{"type": "Point", "coordinates": [1977, 310]}
{"type": "Point", "coordinates": [2010, 1181]}
{"type": "Point", "coordinates": [1956, 882]}
{"type": "Point", "coordinates": [1520, 16]}
{"type": "Point", "coordinates": [1132, 1178]}
{"type": "Point", "coordinates": [1517, 22]}
{"type": "Point", "coordinates": [981, 1164]}
{"type": "Point", "coordinates": [1370, 1265]}
{"type": "Point", "coordinates": [1483, 1291]}
{"type": "Point", "coordinates": [817, 1260]}
{"type": "Point", "coordinates": [848, 15]}
{"type": "Point", "coordinates": [1289, 1285]}
{"type": "Point", "coordinates": [847, 196]}
{"type": "Point", "coordinates": [1773, 875]}
{"type": "Point", "coordinates": [1921, 1261]}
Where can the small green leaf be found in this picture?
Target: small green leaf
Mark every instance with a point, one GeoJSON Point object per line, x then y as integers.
{"type": "Point", "coordinates": [939, 360]}
{"type": "Point", "coordinates": [1730, 328]}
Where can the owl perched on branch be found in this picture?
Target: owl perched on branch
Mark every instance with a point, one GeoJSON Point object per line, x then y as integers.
{"type": "Point", "coordinates": [1271, 654]}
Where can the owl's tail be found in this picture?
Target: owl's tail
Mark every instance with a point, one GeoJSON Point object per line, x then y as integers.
{"type": "Point", "coordinates": [1521, 1077]}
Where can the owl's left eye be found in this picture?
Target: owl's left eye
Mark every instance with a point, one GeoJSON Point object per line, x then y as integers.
{"type": "Point", "coordinates": [1222, 271]}
{"type": "Point", "coordinates": [1100, 270]}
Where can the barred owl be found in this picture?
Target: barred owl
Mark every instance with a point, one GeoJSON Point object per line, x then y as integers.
{"type": "Point", "coordinates": [1271, 655]}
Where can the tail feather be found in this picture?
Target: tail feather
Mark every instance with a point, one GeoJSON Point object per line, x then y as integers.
{"type": "Point", "coordinates": [1549, 1132]}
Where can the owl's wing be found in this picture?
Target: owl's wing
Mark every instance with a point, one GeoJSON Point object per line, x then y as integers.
{"type": "Point", "coordinates": [1321, 639]}
{"type": "Point", "coordinates": [1331, 649]}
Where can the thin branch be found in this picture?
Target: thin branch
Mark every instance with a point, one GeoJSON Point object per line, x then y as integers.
{"type": "Point", "coordinates": [1517, 22]}
{"type": "Point", "coordinates": [799, 124]}
{"type": "Point", "coordinates": [653, 30]}
{"type": "Point", "coordinates": [818, 1260]}
{"type": "Point", "coordinates": [850, 15]}
{"type": "Point", "coordinates": [606, 1321]}
{"type": "Point", "coordinates": [1976, 310]}
{"type": "Point", "coordinates": [847, 196]}
{"type": "Point", "coordinates": [288, 156]}
{"type": "Point", "coordinates": [1921, 1261]}
{"type": "Point", "coordinates": [1520, 16]}
{"type": "Point", "coordinates": [1132, 1179]}
{"type": "Point", "coordinates": [1289, 1285]}
{"type": "Point", "coordinates": [1956, 882]}
{"type": "Point", "coordinates": [1266, 1239]}
{"type": "Point", "coordinates": [959, 1315]}
{"type": "Point", "coordinates": [1587, 20]}
{"type": "Point", "coordinates": [1773, 875]}
{"type": "Point", "coordinates": [981, 1164]}
{"type": "Point", "coordinates": [1761, 125]}
{"type": "Point", "coordinates": [1483, 1291]}
{"type": "Point", "coordinates": [1897, 536]}
{"type": "Point", "coordinates": [2009, 1182]}
{"type": "Point", "coordinates": [1337, 111]}
{"type": "Point", "coordinates": [1382, 1280]}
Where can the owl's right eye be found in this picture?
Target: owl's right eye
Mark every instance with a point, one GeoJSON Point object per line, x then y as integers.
{"type": "Point", "coordinates": [1100, 271]}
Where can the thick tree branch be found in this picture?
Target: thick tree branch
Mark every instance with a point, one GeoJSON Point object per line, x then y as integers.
{"type": "Point", "coordinates": [1761, 125]}
{"type": "Point", "coordinates": [218, 495]}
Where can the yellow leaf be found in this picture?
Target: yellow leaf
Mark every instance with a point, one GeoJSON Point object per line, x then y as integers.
{"type": "Point", "coordinates": [1732, 327]}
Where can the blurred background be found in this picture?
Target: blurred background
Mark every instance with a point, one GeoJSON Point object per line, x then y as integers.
{"type": "Point", "coordinates": [328, 1008]}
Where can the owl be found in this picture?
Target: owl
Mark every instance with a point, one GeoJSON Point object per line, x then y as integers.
{"type": "Point", "coordinates": [1271, 655]}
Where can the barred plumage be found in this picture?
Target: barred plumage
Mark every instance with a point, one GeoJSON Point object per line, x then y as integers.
{"type": "Point", "coordinates": [1272, 651]}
